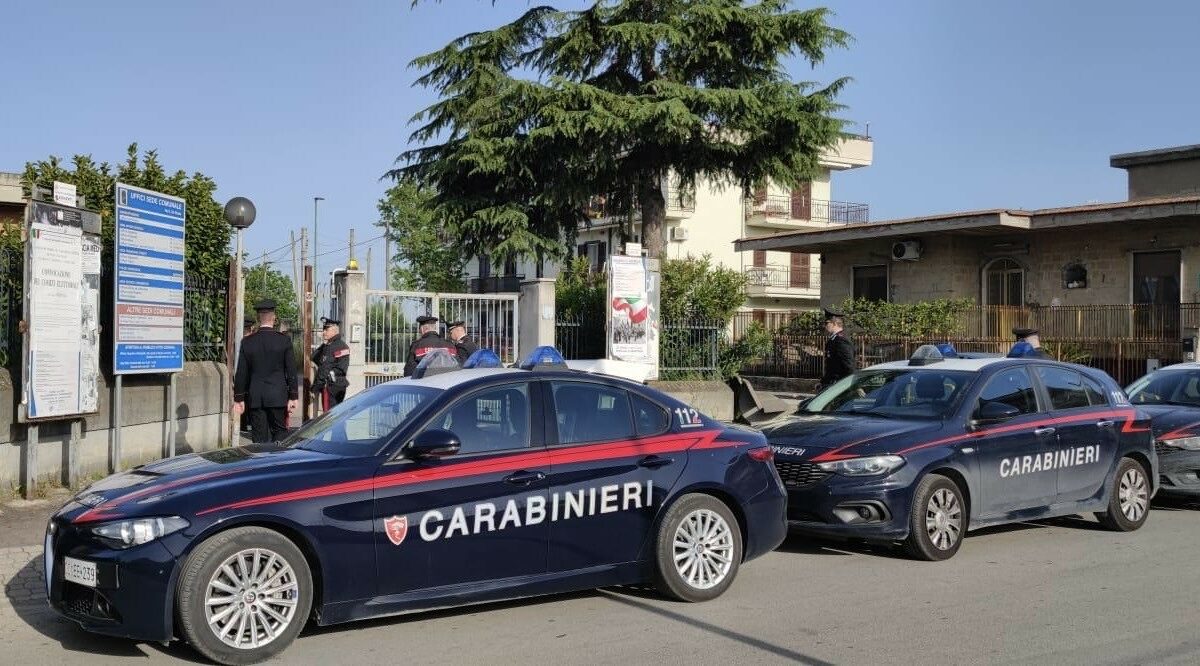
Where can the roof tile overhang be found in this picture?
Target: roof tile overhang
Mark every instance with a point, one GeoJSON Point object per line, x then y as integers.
{"type": "Point", "coordinates": [984, 222]}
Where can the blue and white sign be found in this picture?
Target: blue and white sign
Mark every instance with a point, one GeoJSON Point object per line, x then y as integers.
{"type": "Point", "coordinates": [148, 282]}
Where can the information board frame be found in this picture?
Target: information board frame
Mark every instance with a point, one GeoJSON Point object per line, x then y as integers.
{"type": "Point", "coordinates": [62, 247]}
{"type": "Point", "coordinates": [149, 278]}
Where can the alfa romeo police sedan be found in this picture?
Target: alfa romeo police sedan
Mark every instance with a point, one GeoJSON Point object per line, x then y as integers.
{"type": "Point", "coordinates": [1171, 396]}
{"type": "Point", "coordinates": [473, 485]}
{"type": "Point", "coordinates": [921, 451]}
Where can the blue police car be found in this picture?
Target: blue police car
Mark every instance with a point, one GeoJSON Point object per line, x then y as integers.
{"type": "Point", "coordinates": [921, 451]}
{"type": "Point", "coordinates": [1171, 396]}
{"type": "Point", "coordinates": [471, 485]}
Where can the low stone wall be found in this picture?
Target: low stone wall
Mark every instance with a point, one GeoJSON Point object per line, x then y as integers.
{"type": "Point", "coordinates": [202, 400]}
{"type": "Point", "coordinates": [713, 398]}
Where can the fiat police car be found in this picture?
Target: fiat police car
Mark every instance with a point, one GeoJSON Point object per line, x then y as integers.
{"type": "Point", "coordinates": [921, 451]}
{"type": "Point", "coordinates": [468, 485]}
{"type": "Point", "coordinates": [1171, 396]}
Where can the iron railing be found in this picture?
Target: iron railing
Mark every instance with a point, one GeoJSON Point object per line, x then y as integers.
{"type": "Point", "coordinates": [690, 348]}
{"type": "Point", "coordinates": [205, 303]}
{"type": "Point", "coordinates": [12, 279]}
{"type": "Point", "coordinates": [781, 276]}
{"type": "Point", "coordinates": [786, 207]}
{"type": "Point", "coordinates": [1119, 339]}
{"type": "Point", "coordinates": [491, 321]}
{"type": "Point", "coordinates": [580, 336]}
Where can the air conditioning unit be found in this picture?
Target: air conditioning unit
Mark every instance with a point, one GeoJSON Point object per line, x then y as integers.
{"type": "Point", "coordinates": [906, 251]}
{"type": "Point", "coordinates": [679, 234]}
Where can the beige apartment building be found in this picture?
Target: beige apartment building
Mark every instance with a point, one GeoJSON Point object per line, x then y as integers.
{"type": "Point", "coordinates": [710, 219]}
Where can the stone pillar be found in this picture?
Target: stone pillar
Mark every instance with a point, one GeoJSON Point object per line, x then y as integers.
{"type": "Point", "coordinates": [351, 288]}
{"type": "Point", "coordinates": [536, 315]}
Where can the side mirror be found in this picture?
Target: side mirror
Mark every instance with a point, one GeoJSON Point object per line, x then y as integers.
{"type": "Point", "coordinates": [433, 444]}
{"type": "Point", "coordinates": [994, 412]}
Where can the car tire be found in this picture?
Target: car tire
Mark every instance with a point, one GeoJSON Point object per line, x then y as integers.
{"type": "Point", "coordinates": [698, 549]}
{"type": "Point", "coordinates": [937, 519]}
{"type": "Point", "coordinates": [1129, 498]}
{"type": "Point", "coordinates": [264, 575]}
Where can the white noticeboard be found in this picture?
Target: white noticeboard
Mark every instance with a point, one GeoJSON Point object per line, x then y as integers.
{"type": "Point", "coordinates": [148, 282]}
{"type": "Point", "coordinates": [62, 305]}
{"type": "Point", "coordinates": [633, 334]}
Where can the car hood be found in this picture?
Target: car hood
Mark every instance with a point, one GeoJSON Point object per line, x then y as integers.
{"type": "Point", "coordinates": [1172, 421]}
{"type": "Point", "coordinates": [153, 487]}
{"type": "Point", "coordinates": [825, 437]}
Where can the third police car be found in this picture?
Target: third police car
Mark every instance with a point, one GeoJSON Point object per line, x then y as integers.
{"type": "Point", "coordinates": [921, 451]}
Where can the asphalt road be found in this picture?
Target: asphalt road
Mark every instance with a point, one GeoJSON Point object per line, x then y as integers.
{"type": "Point", "coordinates": [1058, 592]}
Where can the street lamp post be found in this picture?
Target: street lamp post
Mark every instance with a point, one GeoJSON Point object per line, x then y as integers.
{"type": "Point", "coordinates": [316, 259]}
{"type": "Point", "coordinates": [239, 213]}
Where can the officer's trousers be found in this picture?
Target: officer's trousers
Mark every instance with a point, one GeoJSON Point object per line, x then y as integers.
{"type": "Point", "coordinates": [268, 424]}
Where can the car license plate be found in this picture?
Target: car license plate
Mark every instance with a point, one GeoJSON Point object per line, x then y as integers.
{"type": "Point", "coordinates": [79, 571]}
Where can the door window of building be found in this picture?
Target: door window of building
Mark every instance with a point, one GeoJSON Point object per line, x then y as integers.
{"type": "Point", "coordinates": [1156, 277]}
{"type": "Point", "coordinates": [799, 276]}
{"type": "Point", "coordinates": [1004, 283]}
{"type": "Point", "coordinates": [871, 282]}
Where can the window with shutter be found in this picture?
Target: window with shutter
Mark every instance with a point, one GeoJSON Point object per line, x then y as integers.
{"type": "Point", "coordinates": [760, 259]}
{"type": "Point", "coordinates": [800, 273]}
{"type": "Point", "coordinates": [802, 201]}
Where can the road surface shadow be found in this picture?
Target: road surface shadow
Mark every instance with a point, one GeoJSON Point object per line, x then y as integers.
{"type": "Point", "coordinates": [800, 544]}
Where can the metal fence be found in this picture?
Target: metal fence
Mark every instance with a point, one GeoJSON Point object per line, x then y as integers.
{"type": "Point", "coordinates": [1122, 340]}
{"type": "Point", "coordinates": [580, 336]}
{"type": "Point", "coordinates": [788, 207]}
{"type": "Point", "coordinates": [205, 303]}
{"type": "Point", "coordinates": [690, 348]}
{"type": "Point", "coordinates": [12, 271]}
{"type": "Point", "coordinates": [491, 321]}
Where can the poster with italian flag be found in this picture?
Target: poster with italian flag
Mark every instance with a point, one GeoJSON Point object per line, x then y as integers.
{"type": "Point", "coordinates": [631, 331]}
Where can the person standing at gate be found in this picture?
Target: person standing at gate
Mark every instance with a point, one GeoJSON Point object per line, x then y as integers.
{"type": "Point", "coordinates": [333, 362]}
{"type": "Point", "coordinates": [839, 352]}
{"type": "Point", "coordinates": [265, 383]}
{"type": "Point", "coordinates": [457, 330]}
{"type": "Point", "coordinates": [429, 340]}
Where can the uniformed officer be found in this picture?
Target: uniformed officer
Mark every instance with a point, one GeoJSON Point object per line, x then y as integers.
{"type": "Point", "coordinates": [839, 352]}
{"type": "Point", "coordinates": [1030, 335]}
{"type": "Point", "coordinates": [247, 330]}
{"type": "Point", "coordinates": [265, 384]}
{"type": "Point", "coordinates": [457, 331]}
{"type": "Point", "coordinates": [429, 340]}
{"type": "Point", "coordinates": [333, 362]}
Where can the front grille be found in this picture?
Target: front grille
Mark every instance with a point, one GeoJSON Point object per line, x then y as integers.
{"type": "Point", "coordinates": [1161, 448]}
{"type": "Point", "coordinates": [796, 474]}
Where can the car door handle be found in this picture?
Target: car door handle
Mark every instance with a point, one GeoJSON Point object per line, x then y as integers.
{"type": "Point", "coordinates": [1105, 424]}
{"type": "Point", "coordinates": [1044, 431]}
{"type": "Point", "coordinates": [654, 462]}
{"type": "Point", "coordinates": [524, 478]}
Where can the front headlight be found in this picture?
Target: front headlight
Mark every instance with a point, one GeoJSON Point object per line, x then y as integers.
{"type": "Point", "coordinates": [133, 532]}
{"type": "Point", "coordinates": [1185, 443]}
{"type": "Point", "coordinates": [869, 466]}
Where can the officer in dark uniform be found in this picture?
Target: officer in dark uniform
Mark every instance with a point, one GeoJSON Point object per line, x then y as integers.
{"type": "Point", "coordinates": [1030, 335]}
{"type": "Point", "coordinates": [457, 331]}
{"type": "Point", "coordinates": [429, 340]}
{"type": "Point", "coordinates": [839, 352]}
{"type": "Point", "coordinates": [265, 384]}
{"type": "Point", "coordinates": [333, 362]}
{"type": "Point", "coordinates": [247, 330]}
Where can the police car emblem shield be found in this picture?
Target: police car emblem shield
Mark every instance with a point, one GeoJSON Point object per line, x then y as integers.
{"type": "Point", "coordinates": [396, 528]}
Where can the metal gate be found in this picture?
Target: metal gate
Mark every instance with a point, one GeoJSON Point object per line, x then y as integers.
{"type": "Point", "coordinates": [491, 321]}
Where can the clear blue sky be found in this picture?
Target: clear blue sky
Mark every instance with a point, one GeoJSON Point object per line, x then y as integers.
{"type": "Point", "coordinates": [971, 104]}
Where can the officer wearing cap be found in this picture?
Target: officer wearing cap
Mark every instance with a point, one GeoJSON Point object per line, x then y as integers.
{"type": "Point", "coordinates": [333, 362]}
{"type": "Point", "coordinates": [457, 331]}
{"type": "Point", "coordinates": [1030, 335]}
{"type": "Point", "coordinates": [429, 340]}
{"type": "Point", "coordinates": [265, 385]}
{"type": "Point", "coordinates": [839, 352]}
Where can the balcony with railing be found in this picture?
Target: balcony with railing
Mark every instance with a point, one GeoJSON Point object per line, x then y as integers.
{"type": "Point", "coordinates": [782, 282]}
{"type": "Point", "coordinates": [496, 284]}
{"type": "Point", "coordinates": [680, 205]}
{"type": "Point", "coordinates": [797, 212]}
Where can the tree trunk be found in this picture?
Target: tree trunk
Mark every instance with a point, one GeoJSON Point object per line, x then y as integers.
{"type": "Point", "coordinates": [654, 213]}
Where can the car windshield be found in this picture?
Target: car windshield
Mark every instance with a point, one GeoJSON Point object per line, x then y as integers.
{"type": "Point", "coordinates": [893, 393]}
{"type": "Point", "coordinates": [1167, 387]}
{"type": "Point", "coordinates": [358, 426]}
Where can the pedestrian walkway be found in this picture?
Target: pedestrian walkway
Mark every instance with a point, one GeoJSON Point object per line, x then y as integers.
{"type": "Point", "coordinates": [24, 579]}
